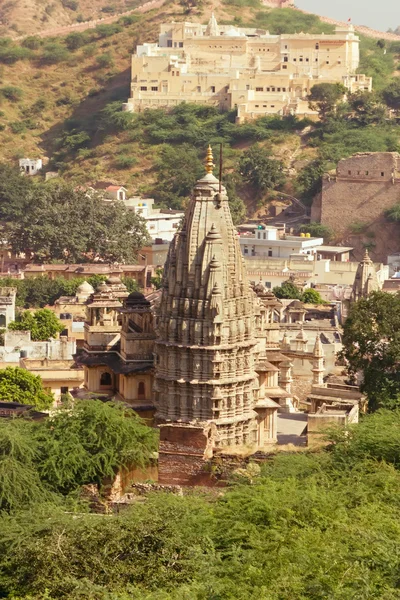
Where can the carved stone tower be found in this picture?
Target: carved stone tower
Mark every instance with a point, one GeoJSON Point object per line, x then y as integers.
{"type": "Point", "coordinates": [318, 362]}
{"type": "Point", "coordinates": [365, 280]}
{"type": "Point", "coordinates": [206, 344]}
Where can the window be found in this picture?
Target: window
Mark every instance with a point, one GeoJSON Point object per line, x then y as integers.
{"type": "Point", "coordinates": [213, 88]}
{"type": "Point", "coordinates": [283, 89]}
{"type": "Point", "coordinates": [272, 105]}
{"type": "Point", "coordinates": [143, 88]}
{"type": "Point", "coordinates": [367, 172]}
{"type": "Point", "coordinates": [64, 390]}
{"type": "Point", "coordinates": [301, 59]}
{"type": "Point", "coordinates": [259, 89]}
{"type": "Point", "coordinates": [2, 320]}
{"type": "Point", "coordinates": [339, 62]}
{"type": "Point", "coordinates": [278, 89]}
{"type": "Point", "coordinates": [327, 62]}
{"type": "Point", "coordinates": [105, 379]}
{"type": "Point", "coordinates": [257, 106]}
{"type": "Point", "coordinates": [307, 60]}
{"type": "Point", "coordinates": [268, 285]}
{"type": "Point", "coordinates": [180, 44]}
{"type": "Point", "coordinates": [169, 43]}
{"type": "Point", "coordinates": [269, 252]}
{"type": "Point", "coordinates": [268, 89]}
{"type": "Point", "coordinates": [317, 46]}
{"type": "Point", "coordinates": [284, 66]}
{"type": "Point", "coordinates": [294, 60]}
{"type": "Point", "coordinates": [285, 59]}
{"type": "Point", "coordinates": [273, 89]}
{"type": "Point", "coordinates": [349, 172]}
{"type": "Point", "coordinates": [154, 89]}
{"type": "Point", "coordinates": [141, 390]}
{"type": "Point", "coordinates": [382, 174]}
{"type": "Point", "coordinates": [198, 89]}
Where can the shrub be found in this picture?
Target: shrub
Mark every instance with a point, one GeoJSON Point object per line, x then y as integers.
{"type": "Point", "coordinates": [33, 42]}
{"type": "Point", "coordinates": [70, 4]}
{"type": "Point", "coordinates": [105, 60]}
{"type": "Point", "coordinates": [12, 93]}
{"type": "Point", "coordinates": [125, 162]}
{"type": "Point", "coordinates": [76, 40]}
{"type": "Point", "coordinates": [103, 31]}
{"type": "Point", "coordinates": [17, 126]}
{"type": "Point", "coordinates": [11, 54]}
{"type": "Point", "coordinates": [54, 53]}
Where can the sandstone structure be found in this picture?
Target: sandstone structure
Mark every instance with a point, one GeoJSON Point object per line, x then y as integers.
{"type": "Point", "coordinates": [243, 68]}
{"type": "Point", "coordinates": [353, 201]}
{"type": "Point", "coordinates": [365, 280]}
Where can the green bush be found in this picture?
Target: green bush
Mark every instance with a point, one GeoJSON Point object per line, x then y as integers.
{"type": "Point", "coordinates": [105, 60]}
{"type": "Point", "coordinates": [103, 31]}
{"type": "Point", "coordinates": [125, 162]}
{"type": "Point", "coordinates": [33, 42]}
{"type": "Point", "coordinates": [70, 4]}
{"type": "Point", "coordinates": [76, 40]}
{"type": "Point", "coordinates": [11, 54]}
{"type": "Point", "coordinates": [12, 93]}
{"type": "Point", "coordinates": [18, 126]}
{"type": "Point", "coordinates": [54, 53]}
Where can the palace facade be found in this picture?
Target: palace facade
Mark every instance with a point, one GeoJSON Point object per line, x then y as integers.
{"type": "Point", "coordinates": [241, 68]}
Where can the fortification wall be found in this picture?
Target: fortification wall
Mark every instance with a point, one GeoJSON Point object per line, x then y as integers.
{"type": "Point", "coordinates": [366, 185]}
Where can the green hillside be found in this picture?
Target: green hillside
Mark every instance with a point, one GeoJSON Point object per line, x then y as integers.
{"type": "Point", "coordinates": [61, 98]}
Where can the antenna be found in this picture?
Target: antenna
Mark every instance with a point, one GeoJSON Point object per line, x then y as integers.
{"type": "Point", "coordinates": [220, 168]}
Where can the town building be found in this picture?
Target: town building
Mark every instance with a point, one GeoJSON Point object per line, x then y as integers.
{"type": "Point", "coordinates": [59, 376]}
{"type": "Point", "coordinates": [162, 224]}
{"type": "Point", "coordinates": [365, 280]}
{"type": "Point", "coordinates": [7, 306]}
{"type": "Point", "coordinates": [266, 242]}
{"type": "Point", "coordinates": [241, 68]}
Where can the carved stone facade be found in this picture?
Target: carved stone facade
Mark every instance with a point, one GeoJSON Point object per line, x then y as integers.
{"type": "Point", "coordinates": [206, 349]}
{"type": "Point", "coordinates": [366, 280]}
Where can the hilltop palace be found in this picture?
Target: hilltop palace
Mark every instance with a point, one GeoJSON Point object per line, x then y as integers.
{"type": "Point", "coordinates": [241, 68]}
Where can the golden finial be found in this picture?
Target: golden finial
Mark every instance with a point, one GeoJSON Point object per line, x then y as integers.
{"type": "Point", "coordinates": [209, 160]}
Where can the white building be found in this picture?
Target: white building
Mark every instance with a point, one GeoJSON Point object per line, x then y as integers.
{"type": "Point", "coordinates": [161, 223]}
{"type": "Point", "coordinates": [266, 243]}
{"type": "Point", "coordinates": [30, 166]}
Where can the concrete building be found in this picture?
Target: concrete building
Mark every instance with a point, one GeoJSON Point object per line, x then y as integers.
{"type": "Point", "coordinates": [248, 69]}
{"type": "Point", "coordinates": [30, 166]}
{"type": "Point", "coordinates": [267, 243]}
{"type": "Point", "coordinates": [7, 306]}
{"type": "Point", "coordinates": [161, 223]}
{"type": "Point", "coordinates": [58, 376]}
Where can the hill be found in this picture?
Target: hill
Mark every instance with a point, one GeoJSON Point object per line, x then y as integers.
{"type": "Point", "coordinates": [61, 98]}
{"type": "Point", "coordinates": [33, 16]}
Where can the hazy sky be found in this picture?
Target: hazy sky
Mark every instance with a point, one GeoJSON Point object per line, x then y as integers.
{"type": "Point", "coordinates": [379, 14]}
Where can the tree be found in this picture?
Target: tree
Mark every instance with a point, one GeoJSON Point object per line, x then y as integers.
{"type": "Point", "coordinates": [75, 226]}
{"type": "Point", "coordinates": [324, 97]}
{"type": "Point", "coordinates": [91, 441]}
{"type": "Point", "coordinates": [317, 230]}
{"type": "Point", "coordinates": [393, 213]}
{"type": "Point", "coordinates": [20, 485]}
{"type": "Point", "coordinates": [19, 385]}
{"type": "Point", "coordinates": [261, 171]}
{"type": "Point", "coordinates": [309, 180]}
{"type": "Point", "coordinates": [43, 324]}
{"type": "Point", "coordinates": [367, 108]}
{"type": "Point", "coordinates": [288, 290]}
{"type": "Point", "coordinates": [391, 94]}
{"type": "Point", "coordinates": [157, 279]}
{"type": "Point", "coordinates": [371, 346]}
{"type": "Point", "coordinates": [311, 296]}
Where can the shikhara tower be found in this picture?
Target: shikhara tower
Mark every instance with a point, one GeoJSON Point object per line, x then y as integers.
{"type": "Point", "coordinates": [206, 348]}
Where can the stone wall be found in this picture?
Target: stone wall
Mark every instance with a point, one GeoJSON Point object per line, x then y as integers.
{"type": "Point", "coordinates": [365, 186]}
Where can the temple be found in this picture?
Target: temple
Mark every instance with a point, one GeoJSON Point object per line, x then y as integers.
{"type": "Point", "coordinates": [216, 368]}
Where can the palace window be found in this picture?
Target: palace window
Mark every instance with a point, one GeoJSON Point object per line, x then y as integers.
{"type": "Point", "coordinates": [285, 59]}
{"type": "Point", "coordinates": [213, 88]}
{"type": "Point", "coordinates": [141, 390]}
{"type": "Point", "coordinates": [143, 88]}
{"type": "Point", "coordinates": [284, 66]}
{"type": "Point", "coordinates": [259, 89]}
{"type": "Point", "coordinates": [154, 89]}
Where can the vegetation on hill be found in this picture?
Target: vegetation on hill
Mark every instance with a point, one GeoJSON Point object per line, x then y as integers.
{"type": "Point", "coordinates": [62, 97]}
{"type": "Point", "coordinates": [308, 526]}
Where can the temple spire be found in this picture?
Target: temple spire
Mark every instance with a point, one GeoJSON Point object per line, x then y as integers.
{"type": "Point", "coordinates": [209, 160]}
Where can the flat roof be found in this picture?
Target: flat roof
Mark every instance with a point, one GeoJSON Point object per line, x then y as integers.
{"type": "Point", "coordinates": [335, 249]}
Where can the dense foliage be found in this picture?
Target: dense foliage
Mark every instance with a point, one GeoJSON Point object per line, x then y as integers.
{"type": "Point", "coordinates": [288, 289]}
{"type": "Point", "coordinates": [371, 340]}
{"type": "Point", "coordinates": [55, 221]}
{"type": "Point", "coordinates": [310, 526]}
{"type": "Point", "coordinates": [19, 385]}
{"type": "Point", "coordinates": [76, 445]}
{"type": "Point", "coordinates": [43, 324]}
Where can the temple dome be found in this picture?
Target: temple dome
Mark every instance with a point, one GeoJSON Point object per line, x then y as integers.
{"type": "Point", "coordinates": [136, 299]}
{"type": "Point", "coordinates": [85, 288]}
{"type": "Point", "coordinates": [113, 280]}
